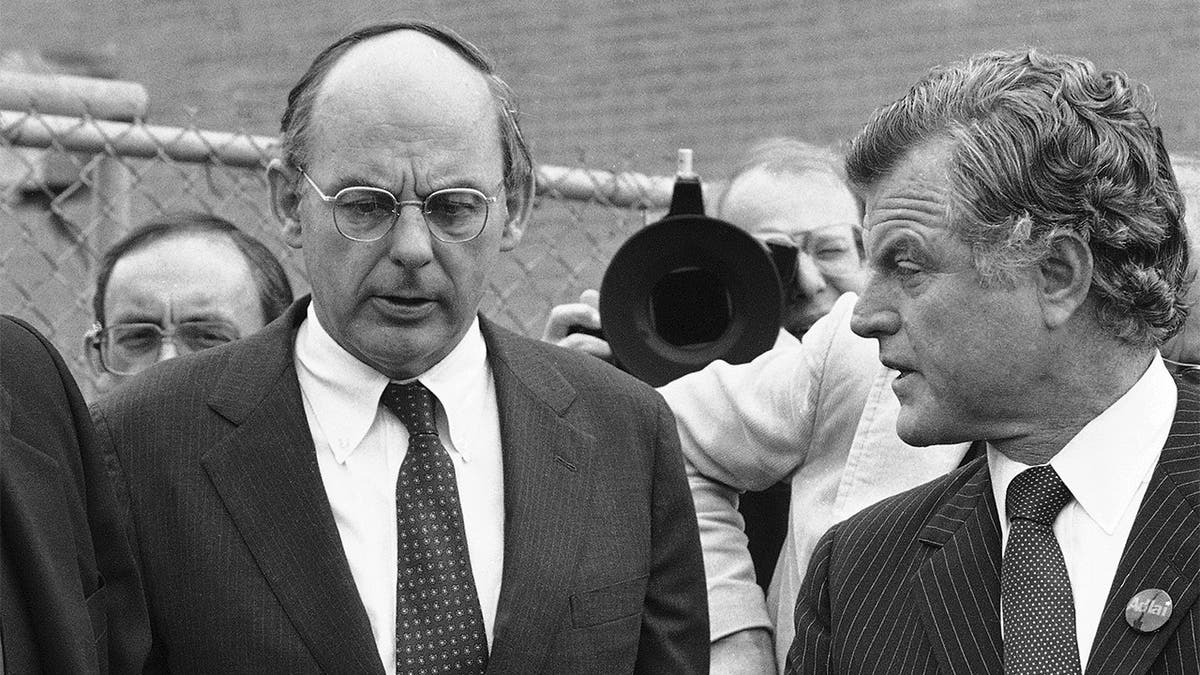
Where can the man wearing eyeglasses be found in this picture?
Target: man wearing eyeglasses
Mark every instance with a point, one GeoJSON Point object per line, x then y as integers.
{"type": "Point", "coordinates": [380, 480]}
{"type": "Point", "coordinates": [180, 283]}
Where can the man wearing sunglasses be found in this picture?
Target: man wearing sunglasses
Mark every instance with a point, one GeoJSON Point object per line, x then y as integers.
{"type": "Point", "coordinates": [180, 283]}
{"type": "Point", "coordinates": [382, 481]}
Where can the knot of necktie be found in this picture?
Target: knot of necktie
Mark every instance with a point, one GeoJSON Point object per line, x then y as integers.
{"type": "Point", "coordinates": [413, 404]}
{"type": "Point", "coordinates": [1037, 494]}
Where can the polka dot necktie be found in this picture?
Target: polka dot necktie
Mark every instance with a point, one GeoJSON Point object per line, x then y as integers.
{"type": "Point", "coordinates": [439, 626]}
{"type": "Point", "coordinates": [1035, 592]}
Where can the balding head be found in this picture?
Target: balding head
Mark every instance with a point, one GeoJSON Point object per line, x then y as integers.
{"type": "Point", "coordinates": [298, 116]}
{"type": "Point", "coordinates": [402, 78]}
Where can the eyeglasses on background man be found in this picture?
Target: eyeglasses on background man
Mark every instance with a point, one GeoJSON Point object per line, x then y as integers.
{"type": "Point", "coordinates": [129, 348]}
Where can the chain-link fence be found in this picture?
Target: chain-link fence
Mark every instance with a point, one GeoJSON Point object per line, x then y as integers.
{"type": "Point", "coordinates": [78, 169]}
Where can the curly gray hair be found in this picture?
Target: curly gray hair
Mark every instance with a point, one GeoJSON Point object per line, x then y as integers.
{"type": "Point", "coordinates": [1043, 145]}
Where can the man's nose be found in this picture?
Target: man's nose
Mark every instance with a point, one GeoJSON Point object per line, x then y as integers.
{"type": "Point", "coordinates": [411, 240]}
{"type": "Point", "coordinates": [873, 317]}
{"type": "Point", "coordinates": [809, 278]}
{"type": "Point", "coordinates": [167, 349]}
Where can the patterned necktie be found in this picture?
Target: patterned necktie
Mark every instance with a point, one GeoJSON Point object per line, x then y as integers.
{"type": "Point", "coordinates": [1035, 592]}
{"type": "Point", "coordinates": [439, 626]}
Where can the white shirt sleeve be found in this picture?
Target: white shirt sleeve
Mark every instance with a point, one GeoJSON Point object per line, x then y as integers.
{"type": "Point", "coordinates": [747, 427]}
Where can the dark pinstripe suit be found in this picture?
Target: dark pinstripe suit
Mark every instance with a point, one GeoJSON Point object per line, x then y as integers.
{"type": "Point", "coordinates": [912, 584]}
{"type": "Point", "coordinates": [245, 571]}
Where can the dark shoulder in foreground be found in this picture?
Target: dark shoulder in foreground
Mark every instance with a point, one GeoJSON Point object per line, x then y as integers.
{"type": "Point", "coordinates": [35, 377]}
{"type": "Point", "coordinates": [18, 337]}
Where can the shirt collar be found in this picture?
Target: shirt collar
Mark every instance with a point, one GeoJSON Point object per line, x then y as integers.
{"type": "Point", "coordinates": [344, 392]}
{"type": "Point", "coordinates": [1126, 440]}
{"type": "Point", "coordinates": [460, 381]}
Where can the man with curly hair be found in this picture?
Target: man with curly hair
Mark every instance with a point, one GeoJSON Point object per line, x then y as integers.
{"type": "Point", "coordinates": [1028, 258]}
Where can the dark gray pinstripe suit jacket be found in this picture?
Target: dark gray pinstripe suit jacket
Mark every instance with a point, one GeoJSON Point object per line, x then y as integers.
{"type": "Point", "coordinates": [912, 584]}
{"type": "Point", "coordinates": [242, 560]}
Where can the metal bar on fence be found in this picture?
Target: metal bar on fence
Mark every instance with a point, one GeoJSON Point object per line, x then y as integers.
{"type": "Point", "coordinates": [626, 189]}
{"type": "Point", "coordinates": [58, 94]}
{"type": "Point", "coordinates": [136, 139]}
{"type": "Point", "coordinates": [623, 189]}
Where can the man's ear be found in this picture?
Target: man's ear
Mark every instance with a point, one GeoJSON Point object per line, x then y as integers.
{"type": "Point", "coordinates": [519, 208]}
{"type": "Point", "coordinates": [284, 182]}
{"type": "Point", "coordinates": [1064, 278]}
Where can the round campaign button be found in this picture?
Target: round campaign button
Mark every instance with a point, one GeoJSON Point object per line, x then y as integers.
{"type": "Point", "coordinates": [1148, 610]}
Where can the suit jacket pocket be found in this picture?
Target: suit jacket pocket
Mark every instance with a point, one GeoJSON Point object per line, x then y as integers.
{"type": "Point", "coordinates": [612, 602]}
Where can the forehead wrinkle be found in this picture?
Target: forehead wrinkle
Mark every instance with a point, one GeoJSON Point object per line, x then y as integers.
{"type": "Point", "coordinates": [916, 208]}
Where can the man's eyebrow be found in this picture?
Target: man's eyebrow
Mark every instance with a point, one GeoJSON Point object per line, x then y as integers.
{"type": "Point", "coordinates": [134, 316]}
{"type": "Point", "coordinates": [839, 233]}
{"type": "Point", "coordinates": [895, 242]}
{"type": "Point", "coordinates": [195, 317]}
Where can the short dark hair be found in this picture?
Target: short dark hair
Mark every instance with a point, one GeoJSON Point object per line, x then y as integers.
{"type": "Point", "coordinates": [518, 162]}
{"type": "Point", "coordinates": [1044, 145]}
{"type": "Point", "coordinates": [274, 289]}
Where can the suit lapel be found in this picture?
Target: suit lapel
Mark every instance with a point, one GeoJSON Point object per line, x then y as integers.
{"type": "Point", "coordinates": [546, 487]}
{"type": "Point", "coordinates": [1163, 550]}
{"type": "Point", "coordinates": [266, 474]}
{"type": "Point", "coordinates": [957, 588]}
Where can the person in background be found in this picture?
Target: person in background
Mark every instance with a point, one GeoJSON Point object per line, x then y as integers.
{"type": "Point", "coordinates": [790, 196]}
{"type": "Point", "coordinates": [1029, 257]}
{"type": "Point", "coordinates": [70, 595]}
{"type": "Point", "coordinates": [178, 284]}
{"type": "Point", "coordinates": [381, 480]}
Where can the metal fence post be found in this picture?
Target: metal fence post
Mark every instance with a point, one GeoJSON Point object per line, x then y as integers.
{"type": "Point", "coordinates": [111, 185]}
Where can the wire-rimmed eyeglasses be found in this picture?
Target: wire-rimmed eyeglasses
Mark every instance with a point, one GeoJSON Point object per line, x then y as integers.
{"type": "Point", "coordinates": [129, 348]}
{"type": "Point", "coordinates": [363, 213]}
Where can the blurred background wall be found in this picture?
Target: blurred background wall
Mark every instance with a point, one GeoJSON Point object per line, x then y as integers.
{"type": "Point", "coordinates": [621, 83]}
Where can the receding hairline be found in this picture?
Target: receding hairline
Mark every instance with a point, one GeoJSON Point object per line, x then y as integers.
{"type": "Point", "coordinates": [195, 234]}
{"type": "Point", "coordinates": [481, 102]}
{"type": "Point", "coordinates": [814, 178]}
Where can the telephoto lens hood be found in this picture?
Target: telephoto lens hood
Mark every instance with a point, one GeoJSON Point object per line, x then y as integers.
{"type": "Point", "coordinates": [685, 291]}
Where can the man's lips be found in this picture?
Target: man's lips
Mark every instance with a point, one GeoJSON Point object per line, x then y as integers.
{"type": "Point", "coordinates": [896, 366]}
{"type": "Point", "coordinates": [405, 306]}
{"type": "Point", "coordinates": [412, 300]}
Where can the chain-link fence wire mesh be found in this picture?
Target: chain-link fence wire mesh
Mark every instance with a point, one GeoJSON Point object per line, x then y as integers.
{"type": "Point", "coordinates": [72, 185]}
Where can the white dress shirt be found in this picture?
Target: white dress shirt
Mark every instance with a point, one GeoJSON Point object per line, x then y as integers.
{"type": "Point", "coordinates": [360, 446]}
{"type": "Point", "coordinates": [1107, 466]}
